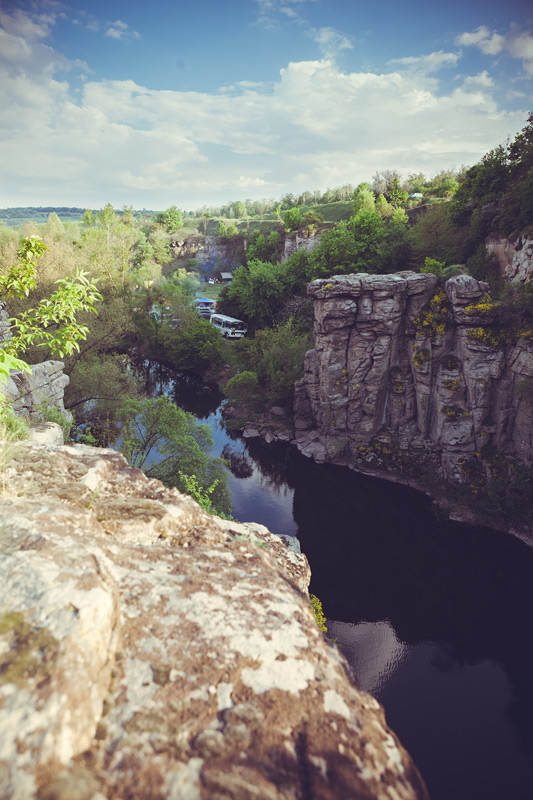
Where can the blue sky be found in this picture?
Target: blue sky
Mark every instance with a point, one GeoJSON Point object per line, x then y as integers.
{"type": "Point", "coordinates": [190, 103]}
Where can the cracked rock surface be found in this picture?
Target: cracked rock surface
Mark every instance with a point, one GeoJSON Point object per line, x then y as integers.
{"type": "Point", "coordinates": [149, 650]}
{"type": "Point", "coordinates": [431, 380]}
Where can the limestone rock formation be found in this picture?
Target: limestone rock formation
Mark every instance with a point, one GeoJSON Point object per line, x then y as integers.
{"type": "Point", "coordinates": [515, 257]}
{"type": "Point", "coordinates": [299, 240]}
{"type": "Point", "coordinates": [31, 393]}
{"type": "Point", "coordinates": [211, 252]}
{"type": "Point", "coordinates": [149, 650]}
{"type": "Point", "coordinates": [410, 368]}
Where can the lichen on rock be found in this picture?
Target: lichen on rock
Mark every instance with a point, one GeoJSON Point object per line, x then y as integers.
{"type": "Point", "coordinates": [391, 352]}
{"type": "Point", "coordinates": [163, 653]}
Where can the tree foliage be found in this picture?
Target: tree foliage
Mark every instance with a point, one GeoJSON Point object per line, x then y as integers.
{"type": "Point", "coordinates": [171, 219]}
{"type": "Point", "coordinates": [255, 294]}
{"type": "Point", "coordinates": [168, 444]}
{"type": "Point", "coordinates": [276, 356]}
{"type": "Point", "coordinates": [52, 324]}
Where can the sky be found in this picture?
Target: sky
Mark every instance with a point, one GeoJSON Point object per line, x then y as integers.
{"type": "Point", "coordinates": [198, 103]}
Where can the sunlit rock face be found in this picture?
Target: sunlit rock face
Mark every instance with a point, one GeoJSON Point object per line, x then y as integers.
{"type": "Point", "coordinates": [149, 650]}
{"type": "Point", "coordinates": [413, 369]}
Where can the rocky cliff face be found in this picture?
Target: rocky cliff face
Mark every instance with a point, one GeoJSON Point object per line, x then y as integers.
{"type": "Point", "coordinates": [299, 241]}
{"type": "Point", "coordinates": [31, 392]}
{"type": "Point", "coordinates": [412, 370]}
{"type": "Point", "coordinates": [150, 651]}
{"type": "Point", "coordinates": [515, 257]}
{"type": "Point", "coordinates": [211, 252]}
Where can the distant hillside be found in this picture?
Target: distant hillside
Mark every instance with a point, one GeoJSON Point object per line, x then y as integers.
{"type": "Point", "coordinates": [18, 215]}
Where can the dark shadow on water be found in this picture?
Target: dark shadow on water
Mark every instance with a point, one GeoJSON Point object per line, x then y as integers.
{"type": "Point", "coordinates": [460, 598]}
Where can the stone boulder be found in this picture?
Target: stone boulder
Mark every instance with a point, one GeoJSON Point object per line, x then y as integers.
{"type": "Point", "coordinates": [149, 650]}
{"type": "Point", "coordinates": [33, 393]}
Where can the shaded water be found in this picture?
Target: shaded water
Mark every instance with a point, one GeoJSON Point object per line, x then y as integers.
{"type": "Point", "coordinates": [435, 617]}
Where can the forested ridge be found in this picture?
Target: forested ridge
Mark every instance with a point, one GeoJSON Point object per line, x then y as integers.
{"type": "Point", "coordinates": [147, 290]}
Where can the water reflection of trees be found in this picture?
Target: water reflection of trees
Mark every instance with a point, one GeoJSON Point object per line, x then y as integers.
{"type": "Point", "coordinates": [186, 389]}
{"type": "Point", "coordinates": [272, 460]}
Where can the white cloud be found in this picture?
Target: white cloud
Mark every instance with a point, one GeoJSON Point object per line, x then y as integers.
{"type": "Point", "coordinates": [243, 85]}
{"type": "Point", "coordinates": [330, 41]}
{"type": "Point", "coordinates": [247, 183]}
{"type": "Point", "coordinates": [120, 30]}
{"type": "Point", "coordinates": [483, 79]}
{"type": "Point", "coordinates": [517, 42]}
{"type": "Point", "coordinates": [433, 62]}
{"type": "Point", "coordinates": [19, 24]}
{"type": "Point", "coordinates": [316, 126]}
{"type": "Point", "coordinates": [270, 11]}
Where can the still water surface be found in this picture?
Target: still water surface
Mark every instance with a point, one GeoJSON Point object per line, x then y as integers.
{"type": "Point", "coordinates": [435, 617]}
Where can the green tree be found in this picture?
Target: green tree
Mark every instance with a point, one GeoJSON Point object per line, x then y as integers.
{"type": "Point", "coordinates": [243, 391]}
{"type": "Point", "coordinates": [311, 220]}
{"type": "Point", "coordinates": [383, 208]}
{"type": "Point", "coordinates": [54, 228]}
{"type": "Point", "coordinates": [398, 196]}
{"type": "Point", "coordinates": [292, 219]}
{"type": "Point", "coordinates": [194, 345]}
{"type": "Point", "coordinates": [435, 236]}
{"type": "Point", "coordinates": [364, 198]}
{"type": "Point", "coordinates": [395, 248]}
{"type": "Point", "coordinates": [239, 209]}
{"type": "Point", "coordinates": [171, 219]}
{"type": "Point", "coordinates": [255, 294]}
{"type": "Point", "coordinates": [52, 324]}
{"type": "Point", "coordinates": [368, 231]}
{"type": "Point", "coordinates": [335, 253]}
{"type": "Point", "coordinates": [167, 443]}
{"type": "Point", "coordinates": [263, 248]}
{"type": "Point", "coordinates": [88, 218]}
{"type": "Point", "coordinates": [276, 356]}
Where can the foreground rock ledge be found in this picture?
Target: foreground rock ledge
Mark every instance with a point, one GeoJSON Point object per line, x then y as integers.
{"type": "Point", "coordinates": [149, 650]}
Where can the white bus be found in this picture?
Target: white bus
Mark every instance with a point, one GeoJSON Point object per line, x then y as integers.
{"type": "Point", "coordinates": [228, 326]}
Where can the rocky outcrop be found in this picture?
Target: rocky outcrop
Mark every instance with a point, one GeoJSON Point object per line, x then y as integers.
{"type": "Point", "coordinates": [299, 240]}
{"type": "Point", "coordinates": [33, 393]}
{"type": "Point", "coordinates": [514, 256]}
{"type": "Point", "coordinates": [211, 252]}
{"type": "Point", "coordinates": [412, 370]}
{"type": "Point", "coordinates": [149, 650]}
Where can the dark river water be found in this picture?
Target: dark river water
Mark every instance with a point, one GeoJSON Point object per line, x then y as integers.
{"type": "Point", "coordinates": [435, 617]}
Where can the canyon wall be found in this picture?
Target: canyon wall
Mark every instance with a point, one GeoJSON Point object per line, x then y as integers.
{"type": "Point", "coordinates": [404, 373]}
{"type": "Point", "coordinates": [149, 650]}
{"type": "Point", "coordinates": [211, 252]}
{"type": "Point", "coordinates": [514, 256]}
